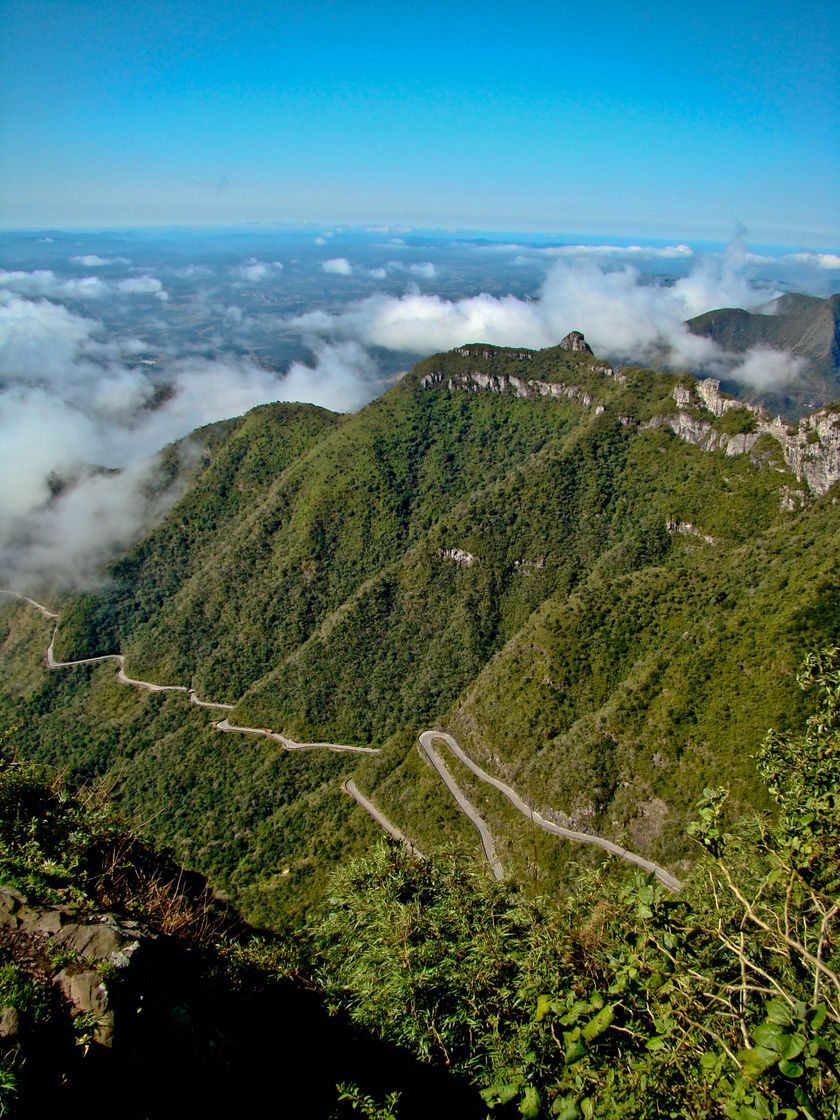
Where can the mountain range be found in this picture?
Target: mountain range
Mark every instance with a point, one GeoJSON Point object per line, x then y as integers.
{"type": "Point", "coordinates": [805, 326]}
{"type": "Point", "coordinates": [599, 580]}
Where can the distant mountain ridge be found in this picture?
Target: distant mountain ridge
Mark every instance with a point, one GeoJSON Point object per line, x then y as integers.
{"type": "Point", "coordinates": [805, 326]}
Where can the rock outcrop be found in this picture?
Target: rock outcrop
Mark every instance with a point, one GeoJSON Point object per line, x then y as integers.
{"type": "Point", "coordinates": [574, 340]}
{"type": "Point", "coordinates": [811, 451]}
{"type": "Point", "coordinates": [99, 955]}
{"type": "Point", "coordinates": [476, 381]}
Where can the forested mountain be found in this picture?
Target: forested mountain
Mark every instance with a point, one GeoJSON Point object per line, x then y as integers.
{"type": "Point", "coordinates": [601, 584]}
{"type": "Point", "coordinates": [601, 581]}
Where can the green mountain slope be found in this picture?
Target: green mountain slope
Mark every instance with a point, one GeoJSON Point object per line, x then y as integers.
{"type": "Point", "coordinates": [533, 550]}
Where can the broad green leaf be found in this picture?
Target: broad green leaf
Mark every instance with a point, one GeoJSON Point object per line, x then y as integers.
{"type": "Point", "coordinates": [543, 1008]}
{"type": "Point", "coordinates": [658, 1042]}
{"type": "Point", "coordinates": [599, 1023]}
{"type": "Point", "coordinates": [574, 1053]}
{"type": "Point", "coordinates": [508, 1092]}
{"type": "Point", "coordinates": [791, 1046]}
{"type": "Point", "coordinates": [756, 1060]}
{"type": "Point", "coordinates": [529, 1106]}
{"type": "Point", "coordinates": [790, 1069]}
{"type": "Point", "coordinates": [778, 1012]}
{"type": "Point", "coordinates": [769, 1035]}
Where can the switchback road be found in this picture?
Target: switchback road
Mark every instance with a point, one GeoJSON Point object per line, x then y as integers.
{"type": "Point", "coordinates": [350, 787]}
{"type": "Point", "coordinates": [426, 740]}
{"type": "Point", "coordinates": [151, 686]}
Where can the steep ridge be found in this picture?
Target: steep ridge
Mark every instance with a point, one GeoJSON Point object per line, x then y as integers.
{"type": "Point", "coordinates": [806, 327]}
{"type": "Point", "coordinates": [517, 545]}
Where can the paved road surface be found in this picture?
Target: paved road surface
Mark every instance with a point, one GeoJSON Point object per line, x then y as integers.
{"type": "Point", "coordinates": [150, 686]}
{"type": "Point", "coordinates": [464, 803]}
{"type": "Point", "coordinates": [664, 876]}
{"type": "Point", "coordinates": [350, 787]}
{"type": "Point", "coordinates": [290, 744]}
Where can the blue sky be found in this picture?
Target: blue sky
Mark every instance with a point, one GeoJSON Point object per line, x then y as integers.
{"type": "Point", "coordinates": [552, 117]}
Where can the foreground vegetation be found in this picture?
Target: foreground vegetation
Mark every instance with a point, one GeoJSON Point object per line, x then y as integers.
{"type": "Point", "coordinates": [203, 1011]}
{"type": "Point", "coordinates": [624, 1001]}
{"type": "Point", "coordinates": [619, 1000]}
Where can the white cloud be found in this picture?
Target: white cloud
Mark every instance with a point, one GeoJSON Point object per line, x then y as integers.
{"type": "Point", "coordinates": [91, 260]}
{"type": "Point", "coordinates": [41, 341]}
{"type": "Point", "coordinates": [255, 272]}
{"type": "Point", "coordinates": [342, 378]}
{"type": "Point", "coordinates": [623, 316]}
{"type": "Point", "coordinates": [142, 286]}
{"type": "Point", "coordinates": [763, 368]}
{"type": "Point", "coordinates": [194, 272]}
{"type": "Point", "coordinates": [664, 252]}
{"type": "Point", "coordinates": [338, 266]}
{"type": "Point", "coordinates": [427, 270]}
{"type": "Point", "coordinates": [44, 282]}
{"type": "Point", "coordinates": [320, 241]}
{"type": "Point", "coordinates": [829, 261]}
{"type": "Point", "coordinates": [74, 401]}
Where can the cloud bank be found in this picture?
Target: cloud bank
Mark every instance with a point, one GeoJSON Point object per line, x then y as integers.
{"type": "Point", "coordinates": [254, 271]}
{"type": "Point", "coordinates": [338, 266]}
{"type": "Point", "coordinates": [624, 315]}
{"type": "Point", "coordinates": [83, 410]}
{"type": "Point", "coordinates": [44, 282]}
{"type": "Point", "coordinates": [81, 420]}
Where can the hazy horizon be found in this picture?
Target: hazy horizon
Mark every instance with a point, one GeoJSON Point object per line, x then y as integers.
{"type": "Point", "coordinates": [643, 122]}
{"type": "Point", "coordinates": [115, 343]}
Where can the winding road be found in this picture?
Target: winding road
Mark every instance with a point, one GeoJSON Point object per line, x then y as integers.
{"type": "Point", "coordinates": [464, 803]}
{"type": "Point", "coordinates": [150, 686]}
{"type": "Point", "coordinates": [426, 742]}
{"type": "Point", "coordinates": [349, 786]}
{"type": "Point", "coordinates": [290, 744]}
{"type": "Point", "coordinates": [426, 737]}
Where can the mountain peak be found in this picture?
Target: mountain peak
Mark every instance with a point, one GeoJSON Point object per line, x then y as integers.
{"type": "Point", "coordinates": [574, 340]}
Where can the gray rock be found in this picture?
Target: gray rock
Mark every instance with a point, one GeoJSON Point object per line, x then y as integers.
{"type": "Point", "coordinates": [811, 451]}
{"type": "Point", "coordinates": [9, 1023]}
{"type": "Point", "coordinates": [11, 901]}
{"type": "Point", "coordinates": [87, 994]}
{"type": "Point", "coordinates": [99, 941]}
{"type": "Point", "coordinates": [50, 921]}
{"type": "Point", "coordinates": [574, 340]}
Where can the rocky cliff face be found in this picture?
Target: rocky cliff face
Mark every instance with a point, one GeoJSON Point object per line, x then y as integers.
{"type": "Point", "coordinates": [526, 388]}
{"type": "Point", "coordinates": [574, 340]}
{"type": "Point", "coordinates": [101, 966]}
{"type": "Point", "coordinates": [529, 390]}
{"type": "Point", "coordinates": [811, 450]}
